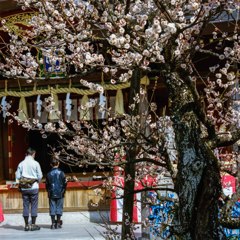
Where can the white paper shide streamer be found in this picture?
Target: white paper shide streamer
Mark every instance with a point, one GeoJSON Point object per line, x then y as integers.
{"type": "Point", "coordinates": [102, 103]}
{"type": "Point", "coordinates": [39, 105]}
{"type": "Point", "coordinates": [68, 106]}
{"type": "Point", "coordinates": [4, 107]}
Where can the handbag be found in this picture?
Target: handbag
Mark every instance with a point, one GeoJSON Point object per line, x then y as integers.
{"type": "Point", "coordinates": [26, 182]}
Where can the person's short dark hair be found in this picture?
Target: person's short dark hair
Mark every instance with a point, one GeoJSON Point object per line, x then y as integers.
{"type": "Point", "coordinates": [54, 162]}
{"type": "Point", "coordinates": [31, 151]}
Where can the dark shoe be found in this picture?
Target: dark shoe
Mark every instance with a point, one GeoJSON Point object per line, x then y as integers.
{"type": "Point", "coordinates": [59, 222]}
{"type": "Point", "coordinates": [35, 227]}
{"type": "Point", "coordinates": [53, 226]}
{"type": "Point", "coordinates": [27, 228]}
{"type": "Point", "coordinates": [58, 225]}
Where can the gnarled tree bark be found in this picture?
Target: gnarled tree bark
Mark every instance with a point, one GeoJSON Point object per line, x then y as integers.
{"type": "Point", "coordinates": [198, 182]}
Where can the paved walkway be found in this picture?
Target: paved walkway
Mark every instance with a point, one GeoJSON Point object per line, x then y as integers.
{"type": "Point", "coordinates": [76, 225]}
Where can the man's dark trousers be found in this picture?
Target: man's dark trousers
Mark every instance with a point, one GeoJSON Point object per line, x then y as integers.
{"type": "Point", "coordinates": [56, 206]}
{"type": "Point", "coordinates": [30, 197]}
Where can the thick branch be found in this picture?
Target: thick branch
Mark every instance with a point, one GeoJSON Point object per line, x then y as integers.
{"type": "Point", "coordinates": [198, 106]}
{"type": "Point", "coordinates": [157, 163]}
{"type": "Point", "coordinates": [154, 189]}
{"type": "Point", "coordinates": [225, 139]}
{"type": "Point", "coordinates": [164, 10]}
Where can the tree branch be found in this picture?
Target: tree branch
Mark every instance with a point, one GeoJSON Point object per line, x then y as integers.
{"type": "Point", "coordinates": [164, 10]}
{"type": "Point", "coordinates": [198, 106]}
{"type": "Point", "coordinates": [225, 139]}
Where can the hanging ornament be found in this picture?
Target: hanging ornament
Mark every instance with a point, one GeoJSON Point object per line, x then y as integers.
{"type": "Point", "coordinates": [54, 113]}
{"type": "Point", "coordinates": [83, 109]}
{"type": "Point", "coordinates": [4, 107]}
{"type": "Point", "coordinates": [39, 105]}
{"type": "Point", "coordinates": [119, 104]}
{"type": "Point", "coordinates": [102, 103]}
{"type": "Point", "coordinates": [68, 106]}
{"type": "Point", "coordinates": [22, 109]}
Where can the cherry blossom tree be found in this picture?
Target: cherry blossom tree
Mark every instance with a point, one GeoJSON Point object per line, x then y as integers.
{"type": "Point", "coordinates": [126, 40]}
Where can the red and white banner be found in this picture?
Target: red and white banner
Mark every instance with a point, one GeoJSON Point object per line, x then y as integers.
{"type": "Point", "coordinates": [116, 206]}
{"type": "Point", "coordinates": [228, 185]}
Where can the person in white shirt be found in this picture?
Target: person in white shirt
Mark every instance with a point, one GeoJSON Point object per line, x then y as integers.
{"type": "Point", "coordinates": [29, 168]}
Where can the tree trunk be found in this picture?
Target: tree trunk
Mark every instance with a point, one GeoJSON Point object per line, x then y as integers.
{"type": "Point", "coordinates": [198, 180]}
{"type": "Point", "coordinates": [129, 168]}
{"type": "Point", "coordinates": [128, 200]}
{"type": "Point", "coordinates": [198, 184]}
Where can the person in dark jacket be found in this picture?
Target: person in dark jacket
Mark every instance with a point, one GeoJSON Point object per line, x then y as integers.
{"type": "Point", "coordinates": [56, 186]}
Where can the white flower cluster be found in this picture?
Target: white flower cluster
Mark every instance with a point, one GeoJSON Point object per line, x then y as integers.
{"type": "Point", "coordinates": [84, 30]}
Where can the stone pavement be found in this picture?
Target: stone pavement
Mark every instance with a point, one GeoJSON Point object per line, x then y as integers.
{"type": "Point", "coordinates": [76, 225]}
